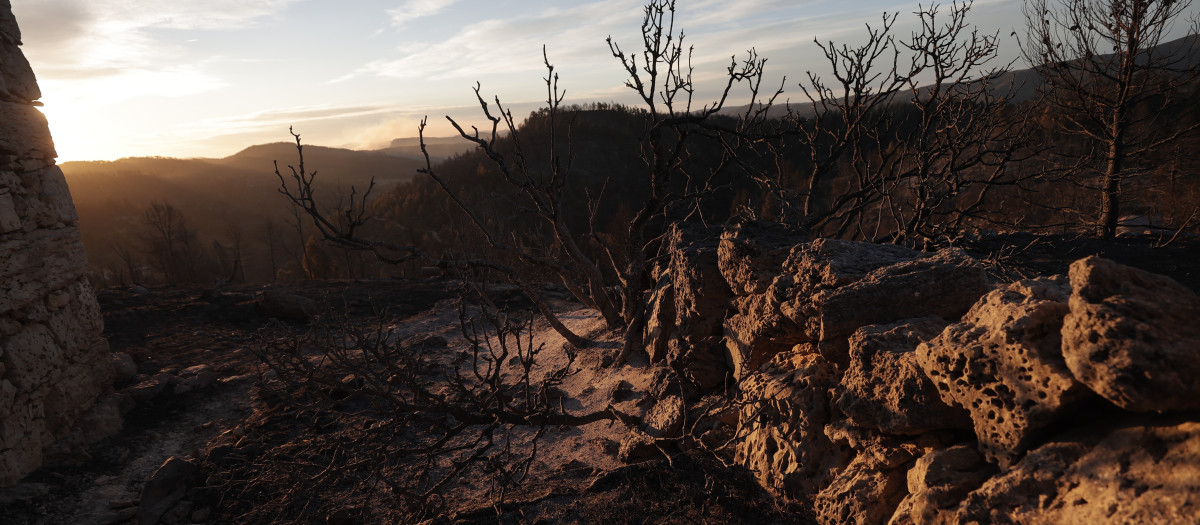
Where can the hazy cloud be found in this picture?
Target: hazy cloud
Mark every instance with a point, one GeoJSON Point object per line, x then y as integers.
{"type": "Point", "coordinates": [414, 9]}
{"type": "Point", "coordinates": [475, 51]}
{"type": "Point", "coordinates": [109, 48]}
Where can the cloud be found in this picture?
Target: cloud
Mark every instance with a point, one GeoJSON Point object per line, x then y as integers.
{"type": "Point", "coordinates": [109, 47]}
{"type": "Point", "coordinates": [281, 118]}
{"type": "Point", "coordinates": [414, 9]}
{"type": "Point", "coordinates": [510, 44]}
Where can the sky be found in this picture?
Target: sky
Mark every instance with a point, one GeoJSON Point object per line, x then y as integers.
{"type": "Point", "coordinates": [207, 78]}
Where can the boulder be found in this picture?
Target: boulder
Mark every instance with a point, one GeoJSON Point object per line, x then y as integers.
{"type": "Point", "coordinates": [885, 389]}
{"type": "Point", "coordinates": [867, 491]}
{"type": "Point", "coordinates": [826, 264]}
{"type": "Point", "coordinates": [701, 294]}
{"type": "Point", "coordinates": [938, 482]}
{"type": "Point", "coordinates": [786, 408]}
{"type": "Point", "coordinates": [666, 419]}
{"type": "Point", "coordinates": [1136, 474]}
{"type": "Point", "coordinates": [286, 306]}
{"type": "Point", "coordinates": [9, 32]}
{"type": "Point", "coordinates": [945, 284]}
{"type": "Point", "coordinates": [751, 254]}
{"type": "Point", "coordinates": [637, 446]}
{"type": "Point", "coordinates": [1003, 364]}
{"type": "Point", "coordinates": [166, 487]}
{"type": "Point", "coordinates": [24, 132]}
{"type": "Point", "coordinates": [1133, 337]}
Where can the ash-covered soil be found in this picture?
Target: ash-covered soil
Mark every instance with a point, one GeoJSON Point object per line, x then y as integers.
{"type": "Point", "coordinates": [312, 455]}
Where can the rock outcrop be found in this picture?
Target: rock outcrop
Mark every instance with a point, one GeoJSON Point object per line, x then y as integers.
{"type": "Point", "coordinates": [1133, 337]}
{"type": "Point", "coordinates": [54, 365]}
{"type": "Point", "coordinates": [938, 481]}
{"type": "Point", "coordinates": [688, 306]}
{"type": "Point", "coordinates": [884, 385]}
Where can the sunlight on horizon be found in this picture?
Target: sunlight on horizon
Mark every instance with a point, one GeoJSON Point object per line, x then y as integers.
{"type": "Point", "coordinates": [192, 78]}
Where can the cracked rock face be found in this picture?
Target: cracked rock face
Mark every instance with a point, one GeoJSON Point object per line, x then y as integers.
{"type": "Point", "coordinates": [1133, 337]}
{"type": "Point", "coordinates": [1003, 363]}
{"type": "Point", "coordinates": [701, 294]}
{"type": "Point", "coordinates": [945, 284]}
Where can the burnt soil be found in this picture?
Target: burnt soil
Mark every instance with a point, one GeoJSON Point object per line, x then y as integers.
{"type": "Point", "coordinates": [270, 459]}
{"type": "Point", "coordinates": [267, 458]}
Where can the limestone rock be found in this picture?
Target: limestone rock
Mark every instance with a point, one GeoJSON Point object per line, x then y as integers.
{"type": "Point", "coordinates": [637, 446]}
{"type": "Point", "coordinates": [1133, 337]}
{"type": "Point", "coordinates": [751, 254]}
{"type": "Point", "coordinates": [9, 220]}
{"type": "Point", "coordinates": [9, 32]}
{"type": "Point", "coordinates": [885, 389]}
{"type": "Point", "coordinates": [660, 319]}
{"type": "Point", "coordinates": [32, 265]}
{"type": "Point", "coordinates": [758, 331]}
{"type": "Point", "coordinates": [17, 81]}
{"type": "Point", "coordinates": [287, 306]}
{"type": "Point", "coordinates": [54, 363]}
{"type": "Point", "coordinates": [945, 284]}
{"type": "Point", "coordinates": [701, 294]}
{"type": "Point", "coordinates": [24, 132]}
{"type": "Point", "coordinates": [826, 264]}
{"type": "Point", "coordinates": [867, 491]}
{"type": "Point", "coordinates": [665, 420]}
{"type": "Point", "coordinates": [783, 421]}
{"type": "Point", "coordinates": [1137, 474]}
{"type": "Point", "coordinates": [166, 487]}
{"type": "Point", "coordinates": [1003, 363]}
{"type": "Point", "coordinates": [47, 202]}
{"type": "Point", "coordinates": [938, 482]}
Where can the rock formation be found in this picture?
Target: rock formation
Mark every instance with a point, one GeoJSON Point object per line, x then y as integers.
{"type": "Point", "coordinates": [54, 365]}
{"type": "Point", "coordinates": [884, 385]}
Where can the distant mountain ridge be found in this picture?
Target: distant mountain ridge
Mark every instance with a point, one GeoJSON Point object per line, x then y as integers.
{"type": "Point", "coordinates": [1025, 83]}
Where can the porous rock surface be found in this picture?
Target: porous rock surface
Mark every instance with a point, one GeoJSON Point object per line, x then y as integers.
{"type": "Point", "coordinates": [1003, 364]}
{"type": "Point", "coordinates": [885, 388]}
{"type": "Point", "coordinates": [751, 253]}
{"type": "Point", "coordinates": [784, 420]}
{"type": "Point", "coordinates": [883, 385]}
{"type": "Point", "coordinates": [867, 490]}
{"type": "Point", "coordinates": [701, 294]}
{"type": "Point", "coordinates": [944, 284]}
{"type": "Point", "coordinates": [688, 306]}
{"type": "Point", "coordinates": [1133, 337]}
{"type": "Point", "coordinates": [1137, 474]}
{"type": "Point", "coordinates": [938, 481]}
{"type": "Point", "coordinates": [54, 365]}
{"type": "Point", "coordinates": [827, 289]}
